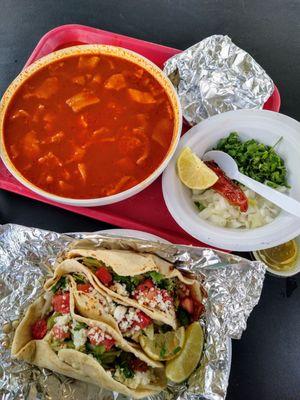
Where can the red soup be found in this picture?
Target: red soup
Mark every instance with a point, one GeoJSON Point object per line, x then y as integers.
{"type": "Point", "coordinates": [88, 126]}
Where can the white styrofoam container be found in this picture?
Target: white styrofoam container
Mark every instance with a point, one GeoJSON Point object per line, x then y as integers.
{"type": "Point", "coordinates": [266, 127]}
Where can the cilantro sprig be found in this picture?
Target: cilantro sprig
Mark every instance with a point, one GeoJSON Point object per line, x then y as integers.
{"type": "Point", "coordinates": [60, 284]}
{"type": "Point", "coordinates": [123, 363]}
{"type": "Point", "coordinates": [80, 325]}
{"type": "Point", "coordinates": [161, 281]}
{"type": "Point", "coordinates": [163, 351]}
{"type": "Point", "coordinates": [130, 282]}
{"type": "Point", "coordinates": [79, 278]}
{"type": "Point", "coordinates": [105, 358]}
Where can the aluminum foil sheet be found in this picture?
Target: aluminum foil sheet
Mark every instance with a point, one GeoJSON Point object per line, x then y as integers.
{"type": "Point", "coordinates": [233, 286]}
{"type": "Point", "coordinates": [215, 76]}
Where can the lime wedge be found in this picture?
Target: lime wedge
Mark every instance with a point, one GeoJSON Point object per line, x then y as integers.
{"type": "Point", "coordinates": [163, 346]}
{"type": "Point", "coordinates": [181, 367]}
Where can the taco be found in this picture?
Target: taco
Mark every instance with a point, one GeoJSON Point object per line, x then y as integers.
{"type": "Point", "coordinates": [52, 336]}
{"type": "Point", "coordinates": [92, 302]}
{"type": "Point", "coordinates": [137, 280]}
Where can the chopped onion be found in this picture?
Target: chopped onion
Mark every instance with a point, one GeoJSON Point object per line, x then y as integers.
{"type": "Point", "coordinates": [220, 212]}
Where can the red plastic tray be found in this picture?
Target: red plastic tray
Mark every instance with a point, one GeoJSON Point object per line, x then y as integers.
{"type": "Point", "coordinates": [145, 211]}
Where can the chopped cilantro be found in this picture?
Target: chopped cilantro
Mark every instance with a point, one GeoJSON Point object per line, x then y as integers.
{"type": "Point", "coordinates": [97, 351]}
{"type": "Point", "coordinates": [161, 281]}
{"type": "Point", "coordinates": [91, 262]}
{"type": "Point", "coordinates": [51, 320]}
{"type": "Point", "coordinates": [80, 325]}
{"type": "Point", "coordinates": [55, 344]}
{"type": "Point", "coordinates": [78, 278]}
{"type": "Point", "coordinates": [168, 284]}
{"type": "Point", "coordinates": [61, 284]}
{"type": "Point", "coordinates": [183, 316]}
{"type": "Point", "coordinates": [155, 276]}
{"type": "Point", "coordinates": [163, 351]}
{"type": "Point", "coordinates": [199, 205]}
{"type": "Point", "coordinates": [127, 371]}
{"type": "Point", "coordinates": [123, 362]}
{"type": "Point", "coordinates": [105, 358]}
{"type": "Point", "coordinates": [131, 282]}
{"type": "Point", "coordinates": [255, 159]}
{"type": "Point", "coordinates": [109, 357]}
{"type": "Point", "coordinates": [176, 350]}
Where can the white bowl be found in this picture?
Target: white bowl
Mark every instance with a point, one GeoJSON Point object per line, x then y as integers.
{"type": "Point", "coordinates": [264, 126]}
{"type": "Point", "coordinates": [94, 49]}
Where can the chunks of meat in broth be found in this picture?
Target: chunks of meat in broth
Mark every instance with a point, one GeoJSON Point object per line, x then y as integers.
{"type": "Point", "coordinates": [79, 80]}
{"type": "Point", "coordinates": [141, 97]}
{"type": "Point", "coordinates": [160, 132]}
{"type": "Point", "coordinates": [116, 82]}
{"type": "Point", "coordinates": [85, 62]}
{"type": "Point", "coordinates": [31, 144]}
{"type": "Point", "coordinates": [82, 100]}
{"type": "Point", "coordinates": [20, 113]}
{"type": "Point", "coordinates": [82, 171]}
{"type": "Point", "coordinates": [46, 89]}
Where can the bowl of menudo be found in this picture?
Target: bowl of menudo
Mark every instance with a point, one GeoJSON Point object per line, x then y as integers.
{"type": "Point", "coordinates": [89, 125]}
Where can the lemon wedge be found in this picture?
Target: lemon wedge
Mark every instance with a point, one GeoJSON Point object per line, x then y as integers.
{"type": "Point", "coordinates": [193, 172]}
{"type": "Point", "coordinates": [163, 346]}
{"type": "Point", "coordinates": [181, 367]}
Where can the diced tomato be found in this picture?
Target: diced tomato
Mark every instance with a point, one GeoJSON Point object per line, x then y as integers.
{"type": "Point", "coordinates": [104, 276]}
{"type": "Point", "coordinates": [59, 332]}
{"type": "Point", "coordinates": [61, 302]}
{"type": "Point", "coordinates": [95, 336]}
{"type": "Point", "coordinates": [108, 343]}
{"type": "Point", "coordinates": [198, 310]}
{"type": "Point", "coordinates": [187, 304]}
{"type": "Point", "coordinates": [39, 329]}
{"type": "Point", "coordinates": [138, 365]}
{"type": "Point", "coordinates": [144, 320]}
{"type": "Point", "coordinates": [147, 288]}
{"type": "Point", "coordinates": [228, 189]}
{"type": "Point", "coordinates": [84, 287]}
{"type": "Point", "coordinates": [146, 285]}
{"type": "Point", "coordinates": [166, 296]}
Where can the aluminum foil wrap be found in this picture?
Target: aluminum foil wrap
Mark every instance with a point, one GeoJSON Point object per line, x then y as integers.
{"type": "Point", "coordinates": [27, 255]}
{"type": "Point", "coordinates": [215, 76]}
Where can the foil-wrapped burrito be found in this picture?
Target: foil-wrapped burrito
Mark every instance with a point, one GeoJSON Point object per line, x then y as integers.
{"type": "Point", "coordinates": [230, 288]}
{"type": "Point", "coordinates": [215, 76]}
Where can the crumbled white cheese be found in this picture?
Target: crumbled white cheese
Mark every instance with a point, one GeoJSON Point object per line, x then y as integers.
{"type": "Point", "coordinates": [120, 288]}
{"type": "Point", "coordinates": [79, 337]}
{"type": "Point", "coordinates": [126, 318]}
{"type": "Point", "coordinates": [139, 379]}
{"type": "Point", "coordinates": [110, 306]}
{"type": "Point", "coordinates": [119, 313]}
{"type": "Point", "coordinates": [96, 295]}
{"type": "Point", "coordinates": [97, 334]}
{"type": "Point", "coordinates": [62, 320]}
{"type": "Point", "coordinates": [157, 301]}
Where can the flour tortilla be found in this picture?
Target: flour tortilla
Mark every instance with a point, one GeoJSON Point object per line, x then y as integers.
{"type": "Point", "coordinates": [73, 363]}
